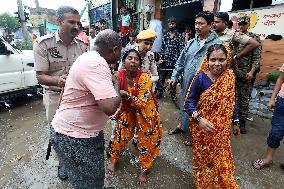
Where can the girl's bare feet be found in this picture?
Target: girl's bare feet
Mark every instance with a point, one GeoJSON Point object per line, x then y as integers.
{"type": "Point", "coordinates": [142, 179]}
{"type": "Point", "coordinates": [111, 167]}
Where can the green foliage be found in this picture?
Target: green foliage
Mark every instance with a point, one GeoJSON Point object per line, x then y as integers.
{"type": "Point", "coordinates": [273, 76]}
{"type": "Point", "coordinates": [37, 20]}
{"type": "Point", "coordinates": [25, 45]}
{"type": "Point", "coordinates": [9, 23]}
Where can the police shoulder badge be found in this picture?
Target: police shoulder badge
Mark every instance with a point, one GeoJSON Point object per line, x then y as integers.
{"type": "Point", "coordinates": [54, 52]}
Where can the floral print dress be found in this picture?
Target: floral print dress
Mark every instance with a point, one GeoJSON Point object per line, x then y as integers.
{"type": "Point", "coordinates": [138, 117]}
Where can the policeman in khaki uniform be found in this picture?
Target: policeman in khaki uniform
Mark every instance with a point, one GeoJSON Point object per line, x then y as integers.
{"type": "Point", "coordinates": [245, 72]}
{"type": "Point", "coordinates": [145, 40]}
{"type": "Point", "coordinates": [54, 55]}
{"type": "Point", "coordinates": [231, 37]}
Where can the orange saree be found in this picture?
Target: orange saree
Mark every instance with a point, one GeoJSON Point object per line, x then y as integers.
{"type": "Point", "coordinates": [213, 165]}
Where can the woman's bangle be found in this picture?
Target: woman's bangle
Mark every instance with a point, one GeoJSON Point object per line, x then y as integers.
{"type": "Point", "coordinates": [236, 122]}
{"type": "Point", "coordinates": [129, 98]}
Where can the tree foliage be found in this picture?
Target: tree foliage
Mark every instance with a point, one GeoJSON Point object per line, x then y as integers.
{"type": "Point", "coordinates": [9, 22]}
{"type": "Point", "coordinates": [25, 45]}
{"type": "Point", "coordinates": [38, 20]}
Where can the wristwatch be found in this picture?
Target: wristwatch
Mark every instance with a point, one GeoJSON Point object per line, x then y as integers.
{"type": "Point", "coordinates": [197, 118]}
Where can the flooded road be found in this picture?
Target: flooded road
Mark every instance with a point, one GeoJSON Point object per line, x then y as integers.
{"type": "Point", "coordinates": [24, 138]}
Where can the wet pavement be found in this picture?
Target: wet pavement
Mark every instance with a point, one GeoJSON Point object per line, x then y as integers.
{"type": "Point", "coordinates": [24, 136]}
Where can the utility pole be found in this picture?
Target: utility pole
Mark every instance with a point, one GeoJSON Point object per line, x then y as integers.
{"type": "Point", "coordinates": [22, 19]}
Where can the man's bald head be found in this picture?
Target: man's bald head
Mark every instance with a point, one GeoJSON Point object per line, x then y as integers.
{"type": "Point", "coordinates": [108, 44]}
{"type": "Point", "coordinates": [107, 39]}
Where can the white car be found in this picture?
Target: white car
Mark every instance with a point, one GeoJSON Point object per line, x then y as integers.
{"type": "Point", "coordinates": [16, 70]}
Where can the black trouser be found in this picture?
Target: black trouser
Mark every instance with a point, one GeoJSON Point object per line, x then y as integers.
{"type": "Point", "coordinates": [125, 40]}
{"type": "Point", "coordinates": [163, 75]}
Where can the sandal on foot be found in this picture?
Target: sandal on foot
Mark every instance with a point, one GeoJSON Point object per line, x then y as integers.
{"type": "Point", "coordinates": [177, 130]}
{"type": "Point", "coordinates": [259, 164]}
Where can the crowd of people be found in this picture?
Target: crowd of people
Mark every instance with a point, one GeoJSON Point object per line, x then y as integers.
{"type": "Point", "coordinates": [82, 89]}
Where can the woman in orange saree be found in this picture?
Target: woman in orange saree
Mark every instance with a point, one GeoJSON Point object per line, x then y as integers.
{"type": "Point", "coordinates": [210, 102]}
{"type": "Point", "coordinates": [137, 116]}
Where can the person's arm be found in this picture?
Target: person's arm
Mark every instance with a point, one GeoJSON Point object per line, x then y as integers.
{"type": "Point", "coordinates": [45, 79]}
{"type": "Point", "coordinates": [279, 82]}
{"type": "Point", "coordinates": [110, 105]}
{"type": "Point", "coordinates": [236, 121]}
{"type": "Point", "coordinates": [141, 100]}
{"type": "Point", "coordinates": [42, 67]}
{"type": "Point", "coordinates": [193, 96]}
{"type": "Point", "coordinates": [256, 56]}
{"type": "Point", "coordinates": [250, 44]}
{"type": "Point", "coordinates": [191, 102]}
{"type": "Point", "coordinates": [235, 113]}
{"type": "Point", "coordinates": [154, 72]}
{"type": "Point", "coordinates": [104, 87]}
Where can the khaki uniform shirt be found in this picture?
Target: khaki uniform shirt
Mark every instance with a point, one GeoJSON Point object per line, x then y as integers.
{"type": "Point", "coordinates": [252, 60]}
{"type": "Point", "coordinates": [233, 38]}
{"type": "Point", "coordinates": [149, 65]}
{"type": "Point", "coordinates": [52, 56]}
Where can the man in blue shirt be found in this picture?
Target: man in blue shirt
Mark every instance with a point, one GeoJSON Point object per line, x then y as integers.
{"type": "Point", "coordinates": [190, 59]}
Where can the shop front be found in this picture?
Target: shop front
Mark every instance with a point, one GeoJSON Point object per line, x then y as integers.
{"type": "Point", "coordinates": [183, 10]}
{"type": "Point", "coordinates": [132, 7]}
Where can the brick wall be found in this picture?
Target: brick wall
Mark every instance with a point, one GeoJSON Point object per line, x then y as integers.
{"type": "Point", "coordinates": [272, 57]}
{"type": "Point", "coordinates": [158, 10]}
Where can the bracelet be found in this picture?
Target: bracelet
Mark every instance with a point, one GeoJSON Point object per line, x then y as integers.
{"type": "Point", "coordinates": [236, 57]}
{"type": "Point", "coordinates": [129, 98]}
{"type": "Point", "coordinates": [236, 121]}
{"type": "Point", "coordinates": [197, 118]}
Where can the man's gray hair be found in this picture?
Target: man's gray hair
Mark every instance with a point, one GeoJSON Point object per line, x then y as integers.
{"type": "Point", "coordinates": [61, 11]}
{"type": "Point", "coordinates": [107, 39]}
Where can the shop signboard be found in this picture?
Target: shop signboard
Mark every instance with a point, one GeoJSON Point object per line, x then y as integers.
{"type": "Point", "coordinates": [264, 21]}
{"type": "Point", "coordinates": [104, 11]}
